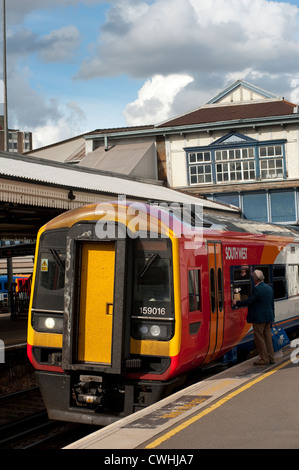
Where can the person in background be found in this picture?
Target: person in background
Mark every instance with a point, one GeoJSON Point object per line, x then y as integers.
{"type": "Point", "coordinates": [261, 314]}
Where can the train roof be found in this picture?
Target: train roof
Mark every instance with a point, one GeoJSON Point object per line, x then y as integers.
{"type": "Point", "coordinates": [224, 223]}
{"type": "Point", "coordinates": [191, 217]}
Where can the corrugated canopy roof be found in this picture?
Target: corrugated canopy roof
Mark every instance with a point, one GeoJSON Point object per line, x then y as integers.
{"type": "Point", "coordinates": [51, 173]}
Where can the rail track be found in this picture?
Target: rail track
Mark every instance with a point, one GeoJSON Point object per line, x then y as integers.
{"type": "Point", "coordinates": [24, 424]}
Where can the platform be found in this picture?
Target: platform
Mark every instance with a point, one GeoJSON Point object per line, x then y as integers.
{"type": "Point", "coordinates": [13, 332]}
{"type": "Point", "coordinates": [243, 407]}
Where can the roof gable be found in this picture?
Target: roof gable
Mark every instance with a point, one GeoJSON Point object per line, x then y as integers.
{"type": "Point", "coordinates": [233, 138]}
{"type": "Point", "coordinates": [241, 91]}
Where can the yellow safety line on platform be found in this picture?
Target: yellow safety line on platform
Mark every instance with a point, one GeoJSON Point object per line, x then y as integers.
{"type": "Point", "coordinates": [213, 407]}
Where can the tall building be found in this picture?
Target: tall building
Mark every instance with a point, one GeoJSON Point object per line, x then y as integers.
{"type": "Point", "coordinates": [18, 141]}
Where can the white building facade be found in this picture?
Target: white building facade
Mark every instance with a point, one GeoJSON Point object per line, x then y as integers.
{"type": "Point", "coordinates": [244, 150]}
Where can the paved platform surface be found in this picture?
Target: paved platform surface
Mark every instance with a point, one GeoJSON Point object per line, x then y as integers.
{"type": "Point", "coordinates": [244, 407]}
{"type": "Point", "coordinates": [13, 332]}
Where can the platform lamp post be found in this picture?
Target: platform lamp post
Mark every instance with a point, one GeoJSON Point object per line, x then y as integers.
{"type": "Point", "coordinates": [5, 138]}
{"type": "Point", "coordinates": [5, 81]}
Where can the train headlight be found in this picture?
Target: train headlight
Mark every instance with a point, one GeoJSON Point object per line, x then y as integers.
{"type": "Point", "coordinates": [48, 323]}
{"type": "Point", "coordinates": [162, 331]}
{"type": "Point", "coordinates": [155, 330]}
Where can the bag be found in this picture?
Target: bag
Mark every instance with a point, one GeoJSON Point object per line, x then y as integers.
{"type": "Point", "coordinates": [279, 338]}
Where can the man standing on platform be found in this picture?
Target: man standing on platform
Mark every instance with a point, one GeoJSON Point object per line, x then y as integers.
{"type": "Point", "coordinates": [260, 305]}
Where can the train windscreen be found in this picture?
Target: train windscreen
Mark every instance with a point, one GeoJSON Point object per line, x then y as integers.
{"type": "Point", "coordinates": [152, 291]}
{"type": "Point", "coordinates": [50, 278]}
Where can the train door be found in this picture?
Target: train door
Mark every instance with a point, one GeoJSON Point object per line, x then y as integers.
{"type": "Point", "coordinates": [96, 302]}
{"type": "Point", "coordinates": [96, 319]}
{"type": "Point", "coordinates": [216, 299]}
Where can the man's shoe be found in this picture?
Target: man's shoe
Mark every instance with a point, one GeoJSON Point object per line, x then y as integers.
{"type": "Point", "coordinates": [260, 363]}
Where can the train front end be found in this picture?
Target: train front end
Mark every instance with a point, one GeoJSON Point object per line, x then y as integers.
{"type": "Point", "coordinates": [104, 319]}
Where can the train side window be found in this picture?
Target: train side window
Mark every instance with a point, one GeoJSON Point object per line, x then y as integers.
{"type": "Point", "coordinates": [292, 274]}
{"type": "Point", "coordinates": [279, 282]}
{"type": "Point", "coordinates": [194, 290]}
{"type": "Point", "coordinates": [212, 289]}
{"type": "Point", "coordinates": [220, 289]}
{"type": "Point", "coordinates": [241, 282]}
{"type": "Point", "coordinates": [265, 271]}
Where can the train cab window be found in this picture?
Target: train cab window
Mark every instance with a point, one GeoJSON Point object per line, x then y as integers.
{"type": "Point", "coordinates": [52, 269]}
{"type": "Point", "coordinates": [194, 290]}
{"type": "Point", "coordinates": [152, 273]}
{"type": "Point", "coordinates": [241, 282]}
{"type": "Point", "coordinates": [51, 272]}
{"type": "Point", "coordinates": [152, 308]}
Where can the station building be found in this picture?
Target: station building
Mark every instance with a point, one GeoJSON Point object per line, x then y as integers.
{"type": "Point", "coordinates": [240, 148]}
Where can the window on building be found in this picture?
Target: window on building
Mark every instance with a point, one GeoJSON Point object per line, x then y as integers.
{"type": "Point", "coordinates": [283, 207]}
{"type": "Point", "coordinates": [228, 199]}
{"type": "Point", "coordinates": [235, 164]}
{"type": "Point", "coordinates": [250, 204]}
{"type": "Point", "coordinates": [271, 161]}
{"type": "Point", "coordinates": [200, 167]}
{"type": "Point", "coordinates": [235, 160]}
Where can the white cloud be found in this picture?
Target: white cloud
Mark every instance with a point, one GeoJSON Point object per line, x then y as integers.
{"type": "Point", "coordinates": [68, 125]}
{"type": "Point", "coordinates": [155, 99]}
{"type": "Point", "coordinates": [183, 51]}
{"type": "Point", "coordinates": [17, 10]}
{"type": "Point", "coordinates": [215, 42]}
{"type": "Point", "coordinates": [188, 36]}
{"type": "Point", "coordinates": [31, 107]}
{"type": "Point", "coordinates": [59, 45]}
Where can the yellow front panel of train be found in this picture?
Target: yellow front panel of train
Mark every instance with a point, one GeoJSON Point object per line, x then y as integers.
{"type": "Point", "coordinates": [96, 302]}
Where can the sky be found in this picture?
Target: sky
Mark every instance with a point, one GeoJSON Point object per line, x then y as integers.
{"type": "Point", "coordinates": [76, 66]}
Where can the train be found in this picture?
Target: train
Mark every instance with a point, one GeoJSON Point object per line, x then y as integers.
{"type": "Point", "coordinates": [21, 284]}
{"type": "Point", "coordinates": [128, 299]}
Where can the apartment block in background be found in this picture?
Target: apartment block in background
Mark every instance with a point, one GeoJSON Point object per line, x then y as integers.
{"type": "Point", "coordinates": [18, 141]}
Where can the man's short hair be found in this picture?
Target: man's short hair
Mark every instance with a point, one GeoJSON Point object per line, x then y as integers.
{"type": "Point", "coordinates": [258, 275]}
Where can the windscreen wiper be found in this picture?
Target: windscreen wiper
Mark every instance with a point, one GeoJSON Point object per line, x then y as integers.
{"type": "Point", "coordinates": [57, 259]}
{"type": "Point", "coordinates": [148, 264]}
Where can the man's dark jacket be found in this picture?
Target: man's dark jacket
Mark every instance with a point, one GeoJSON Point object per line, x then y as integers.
{"type": "Point", "coordinates": [260, 304]}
